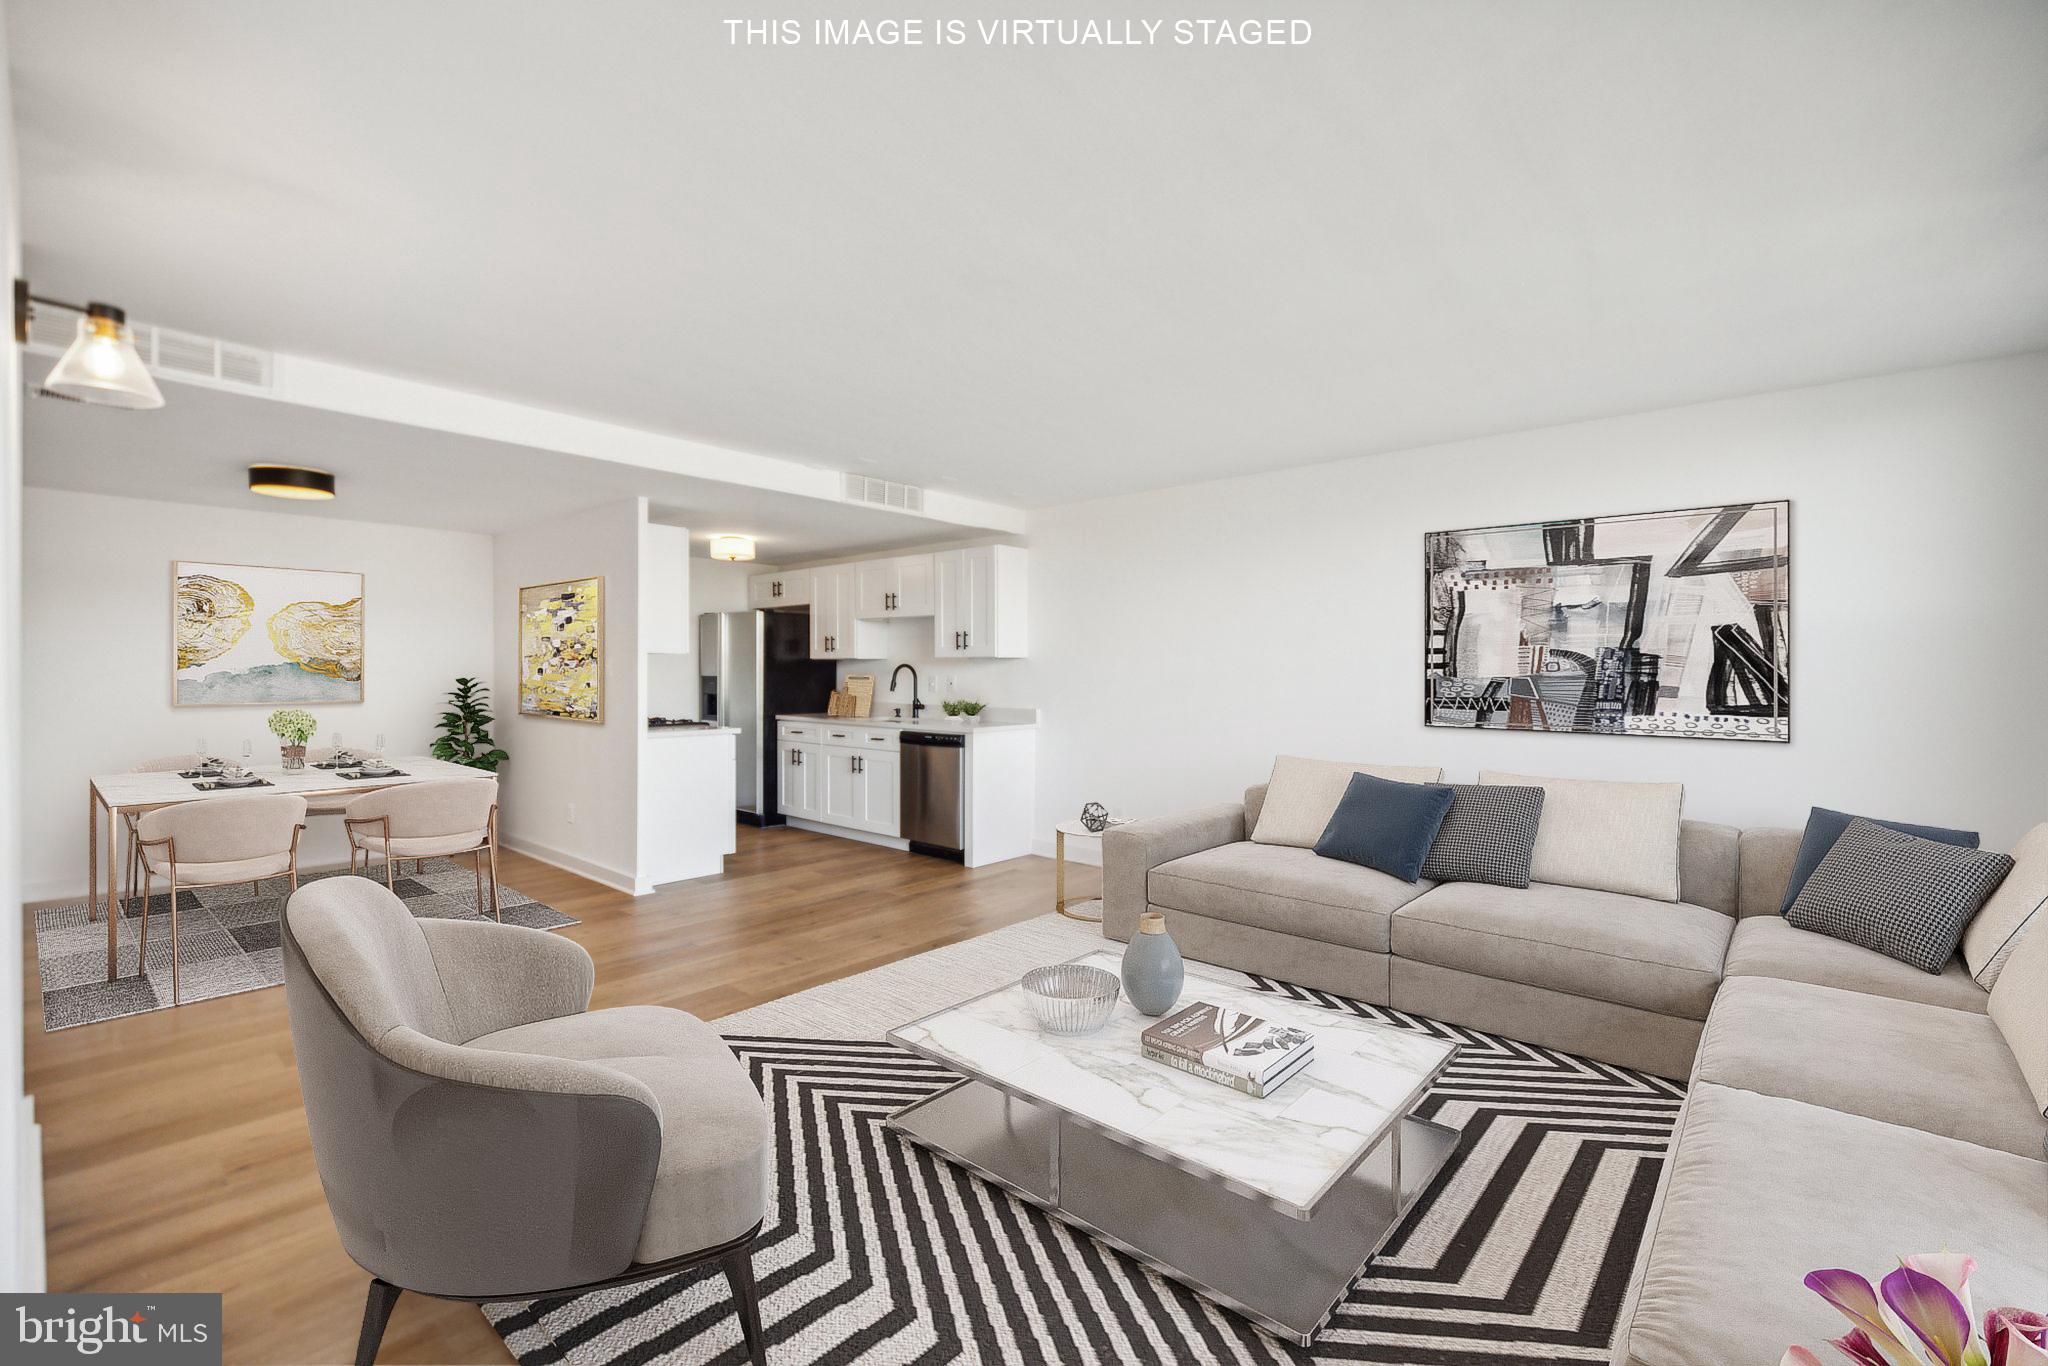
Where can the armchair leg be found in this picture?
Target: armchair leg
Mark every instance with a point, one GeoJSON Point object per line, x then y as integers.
{"type": "Point", "coordinates": [376, 1314]}
{"type": "Point", "coordinates": [739, 1269]}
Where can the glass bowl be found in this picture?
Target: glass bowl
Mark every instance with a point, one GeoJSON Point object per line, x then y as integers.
{"type": "Point", "coordinates": [1071, 998]}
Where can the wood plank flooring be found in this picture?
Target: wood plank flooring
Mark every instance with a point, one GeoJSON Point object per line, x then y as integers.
{"type": "Point", "coordinates": [175, 1153]}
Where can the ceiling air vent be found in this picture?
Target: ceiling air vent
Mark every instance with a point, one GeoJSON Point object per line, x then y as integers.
{"type": "Point", "coordinates": [882, 493]}
{"type": "Point", "coordinates": [168, 354]}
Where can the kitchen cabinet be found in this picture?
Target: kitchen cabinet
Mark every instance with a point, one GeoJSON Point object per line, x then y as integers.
{"type": "Point", "coordinates": [665, 590]}
{"type": "Point", "coordinates": [979, 602]}
{"type": "Point", "coordinates": [851, 776]}
{"type": "Point", "coordinates": [897, 587]}
{"type": "Point", "coordinates": [801, 790]}
{"type": "Point", "coordinates": [837, 631]}
{"type": "Point", "coordinates": [780, 590]}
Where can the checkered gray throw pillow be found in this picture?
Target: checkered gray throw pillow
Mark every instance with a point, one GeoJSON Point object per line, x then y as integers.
{"type": "Point", "coordinates": [1906, 897]}
{"type": "Point", "coordinates": [1488, 835]}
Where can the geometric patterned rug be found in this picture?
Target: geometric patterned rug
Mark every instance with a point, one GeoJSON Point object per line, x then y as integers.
{"type": "Point", "coordinates": [227, 941]}
{"type": "Point", "coordinates": [876, 1251]}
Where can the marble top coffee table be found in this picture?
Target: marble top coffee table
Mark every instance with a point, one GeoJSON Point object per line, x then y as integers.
{"type": "Point", "coordinates": [1269, 1206]}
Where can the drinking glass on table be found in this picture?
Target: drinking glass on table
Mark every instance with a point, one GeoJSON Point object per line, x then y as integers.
{"type": "Point", "coordinates": [377, 751]}
{"type": "Point", "coordinates": [203, 752]}
{"type": "Point", "coordinates": [248, 753]}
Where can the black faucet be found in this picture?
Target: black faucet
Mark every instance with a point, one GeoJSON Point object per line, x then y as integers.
{"type": "Point", "coordinates": [915, 705]}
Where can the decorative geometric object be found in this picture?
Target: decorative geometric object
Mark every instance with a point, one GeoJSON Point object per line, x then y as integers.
{"type": "Point", "coordinates": [1660, 623]}
{"type": "Point", "coordinates": [1095, 817]}
{"type": "Point", "coordinates": [561, 650]}
{"type": "Point", "coordinates": [255, 635]}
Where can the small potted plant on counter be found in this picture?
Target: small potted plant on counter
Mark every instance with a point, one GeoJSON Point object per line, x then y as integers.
{"type": "Point", "coordinates": [968, 712]}
{"type": "Point", "coordinates": [294, 728]}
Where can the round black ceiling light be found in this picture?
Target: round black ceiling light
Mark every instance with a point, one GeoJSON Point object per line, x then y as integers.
{"type": "Point", "coordinates": [290, 481]}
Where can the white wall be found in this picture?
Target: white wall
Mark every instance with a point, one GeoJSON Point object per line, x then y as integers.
{"type": "Point", "coordinates": [1182, 638]}
{"type": "Point", "coordinates": [569, 791]}
{"type": "Point", "coordinates": [21, 1196]}
{"type": "Point", "coordinates": [97, 581]}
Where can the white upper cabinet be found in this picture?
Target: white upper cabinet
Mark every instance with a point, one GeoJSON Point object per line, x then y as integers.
{"type": "Point", "coordinates": [664, 590]}
{"type": "Point", "coordinates": [779, 590]}
{"type": "Point", "coordinates": [837, 631]}
{"type": "Point", "coordinates": [898, 587]}
{"type": "Point", "coordinates": [980, 602]}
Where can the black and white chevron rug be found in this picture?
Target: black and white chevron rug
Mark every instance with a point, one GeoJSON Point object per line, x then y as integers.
{"type": "Point", "coordinates": [876, 1251]}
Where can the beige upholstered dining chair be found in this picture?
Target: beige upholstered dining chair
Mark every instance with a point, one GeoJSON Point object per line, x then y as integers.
{"type": "Point", "coordinates": [429, 820]}
{"type": "Point", "coordinates": [215, 844]}
{"type": "Point", "coordinates": [165, 763]}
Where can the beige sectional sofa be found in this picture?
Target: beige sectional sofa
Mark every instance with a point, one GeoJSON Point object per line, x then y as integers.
{"type": "Point", "coordinates": [1844, 1108]}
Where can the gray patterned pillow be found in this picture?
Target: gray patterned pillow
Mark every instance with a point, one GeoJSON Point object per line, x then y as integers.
{"type": "Point", "coordinates": [1489, 835]}
{"type": "Point", "coordinates": [1906, 897]}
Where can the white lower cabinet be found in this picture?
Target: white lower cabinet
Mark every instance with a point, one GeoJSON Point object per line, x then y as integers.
{"type": "Point", "coordinates": [801, 790]}
{"type": "Point", "coordinates": [850, 777]}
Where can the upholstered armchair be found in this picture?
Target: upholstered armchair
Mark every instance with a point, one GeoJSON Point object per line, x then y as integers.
{"type": "Point", "coordinates": [482, 1135]}
{"type": "Point", "coordinates": [429, 820]}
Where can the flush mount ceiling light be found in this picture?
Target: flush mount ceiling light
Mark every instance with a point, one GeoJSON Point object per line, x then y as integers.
{"type": "Point", "coordinates": [101, 365]}
{"type": "Point", "coordinates": [290, 481]}
{"type": "Point", "coordinates": [726, 547]}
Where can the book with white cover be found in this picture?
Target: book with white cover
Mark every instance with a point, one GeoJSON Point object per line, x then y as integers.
{"type": "Point", "coordinates": [1232, 1042]}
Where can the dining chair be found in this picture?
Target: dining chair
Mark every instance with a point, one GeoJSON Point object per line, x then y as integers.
{"type": "Point", "coordinates": [166, 763]}
{"type": "Point", "coordinates": [216, 843]}
{"type": "Point", "coordinates": [429, 820]}
{"type": "Point", "coordinates": [481, 1134]}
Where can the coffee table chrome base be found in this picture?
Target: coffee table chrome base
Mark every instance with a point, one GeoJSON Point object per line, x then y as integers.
{"type": "Point", "coordinates": [1284, 1274]}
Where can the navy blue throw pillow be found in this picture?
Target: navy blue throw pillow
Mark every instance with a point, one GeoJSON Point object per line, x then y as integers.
{"type": "Point", "coordinates": [1386, 825]}
{"type": "Point", "coordinates": [1824, 827]}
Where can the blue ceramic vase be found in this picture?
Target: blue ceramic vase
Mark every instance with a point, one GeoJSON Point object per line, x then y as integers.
{"type": "Point", "coordinates": [1153, 974]}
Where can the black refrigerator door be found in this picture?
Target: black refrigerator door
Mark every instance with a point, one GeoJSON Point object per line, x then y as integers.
{"type": "Point", "coordinates": [792, 684]}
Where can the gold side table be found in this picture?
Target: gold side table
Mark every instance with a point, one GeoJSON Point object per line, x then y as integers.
{"type": "Point", "coordinates": [1079, 907]}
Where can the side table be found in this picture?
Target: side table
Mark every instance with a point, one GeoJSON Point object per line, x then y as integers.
{"type": "Point", "coordinates": [1078, 907]}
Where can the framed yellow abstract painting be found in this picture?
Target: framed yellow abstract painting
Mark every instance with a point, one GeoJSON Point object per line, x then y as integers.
{"type": "Point", "coordinates": [251, 635]}
{"type": "Point", "coordinates": [561, 650]}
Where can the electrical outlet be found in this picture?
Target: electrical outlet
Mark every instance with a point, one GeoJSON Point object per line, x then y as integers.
{"type": "Point", "coordinates": [951, 683]}
{"type": "Point", "coordinates": [572, 813]}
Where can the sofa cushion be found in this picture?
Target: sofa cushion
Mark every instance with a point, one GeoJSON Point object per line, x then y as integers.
{"type": "Point", "coordinates": [1290, 890]}
{"type": "Point", "coordinates": [2020, 901]}
{"type": "Point", "coordinates": [1488, 835]}
{"type": "Point", "coordinates": [1765, 946]}
{"type": "Point", "coordinates": [2019, 1007]}
{"type": "Point", "coordinates": [1610, 837]}
{"type": "Point", "coordinates": [1383, 825]}
{"type": "Point", "coordinates": [1763, 1190]}
{"type": "Point", "coordinates": [1906, 897]}
{"type": "Point", "coordinates": [711, 1184]}
{"type": "Point", "coordinates": [1655, 955]}
{"type": "Point", "coordinates": [1824, 827]}
{"type": "Point", "coordinates": [1303, 793]}
{"type": "Point", "coordinates": [1899, 1061]}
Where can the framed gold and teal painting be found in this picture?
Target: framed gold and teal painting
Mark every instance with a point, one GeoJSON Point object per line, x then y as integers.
{"type": "Point", "coordinates": [561, 650]}
{"type": "Point", "coordinates": [252, 635]}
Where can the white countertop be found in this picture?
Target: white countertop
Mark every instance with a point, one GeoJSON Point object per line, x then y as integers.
{"type": "Point", "coordinates": [693, 730]}
{"type": "Point", "coordinates": [939, 722]}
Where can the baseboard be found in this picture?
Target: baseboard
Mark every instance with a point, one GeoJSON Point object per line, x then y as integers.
{"type": "Point", "coordinates": [570, 863]}
{"type": "Point", "coordinates": [41, 896]}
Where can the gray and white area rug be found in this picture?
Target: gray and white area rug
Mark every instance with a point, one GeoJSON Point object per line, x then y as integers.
{"type": "Point", "coordinates": [227, 941]}
{"type": "Point", "coordinates": [876, 1251]}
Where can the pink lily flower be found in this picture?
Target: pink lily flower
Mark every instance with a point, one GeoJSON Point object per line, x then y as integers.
{"type": "Point", "coordinates": [1932, 1311]}
{"type": "Point", "coordinates": [1798, 1356]}
{"type": "Point", "coordinates": [2016, 1337]}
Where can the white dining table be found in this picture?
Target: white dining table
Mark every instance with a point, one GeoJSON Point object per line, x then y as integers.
{"type": "Point", "coordinates": [114, 793]}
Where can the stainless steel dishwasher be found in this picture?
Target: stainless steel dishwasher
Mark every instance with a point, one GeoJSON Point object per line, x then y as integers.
{"type": "Point", "coordinates": [934, 796]}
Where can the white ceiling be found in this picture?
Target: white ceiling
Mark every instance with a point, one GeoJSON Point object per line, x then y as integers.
{"type": "Point", "coordinates": [1036, 275]}
{"type": "Point", "coordinates": [197, 449]}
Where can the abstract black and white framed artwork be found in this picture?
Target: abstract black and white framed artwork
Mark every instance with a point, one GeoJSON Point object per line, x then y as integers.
{"type": "Point", "coordinates": [1656, 623]}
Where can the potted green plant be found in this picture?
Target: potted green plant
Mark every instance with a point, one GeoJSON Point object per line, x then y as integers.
{"type": "Point", "coordinates": [466, 728]}
{"type": "Point", "coordinates": [294, 728]}
{"type": "Point", "coordinates": [968, 712]}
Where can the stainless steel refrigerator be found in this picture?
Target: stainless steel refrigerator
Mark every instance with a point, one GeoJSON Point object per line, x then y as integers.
{"type": "Point", "coordinates": [755, 667]}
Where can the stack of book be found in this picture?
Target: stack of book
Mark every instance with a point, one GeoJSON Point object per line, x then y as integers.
{"type": "Point", "coordinates": [1237, 1049]}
